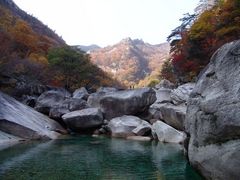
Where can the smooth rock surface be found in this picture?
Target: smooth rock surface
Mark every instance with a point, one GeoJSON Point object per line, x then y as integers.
{"type": "Point", "coordinates": [171, 114]}
{"type": "Point", "coordinates": [166, 133]}
{"type": "Point", "coordinates": [181, 94]}
{"type": "Point", "coordinates": [50, 99]}
{"type": "Point", "coordinates": [163, 95]}
{"type": "Point", "coordinates": [68, 105]}
{"type": "Point", "coordinates": [213, 116]}
{"type": "Point", "coordinates": [81, 93]}
{"type": "Point", "coordinates": [127, 102]}
{"type": "Point", "coordinates": [22, 121]}
{"type": "Point", "coordinates": [83, 119]}
{"type": "Point", "coordinates": [128, 126]}
{"type": "Point", "coordinates": [6, 138]}
{"type": "Point", "coordinates": [94, 99]}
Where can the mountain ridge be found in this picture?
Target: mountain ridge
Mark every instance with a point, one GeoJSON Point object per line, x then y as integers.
{"type": "Point", "coordinates": [131, 60]}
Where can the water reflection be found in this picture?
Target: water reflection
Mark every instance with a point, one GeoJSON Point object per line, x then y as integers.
{"type": "Point", "coordinates": [90, 158]}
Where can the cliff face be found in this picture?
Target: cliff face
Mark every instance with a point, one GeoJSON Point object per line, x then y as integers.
{"type": "Point", "coordinates": [213, 116]}
{"type": "Point", "coordinates": [130, 60]}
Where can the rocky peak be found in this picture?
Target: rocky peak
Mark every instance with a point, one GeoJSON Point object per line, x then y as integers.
{"type": "Point", "coordinates": [130, 60]}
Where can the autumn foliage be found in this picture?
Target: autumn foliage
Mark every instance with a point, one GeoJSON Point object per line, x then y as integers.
{"type": "Point", "coordinates": [30, 50]}
{"type": "Point", "coordinates": [193, 45]}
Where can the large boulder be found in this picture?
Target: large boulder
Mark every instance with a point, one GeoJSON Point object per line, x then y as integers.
{"type": "Point", "coordinates": [85, 119]}
{"type": "Point", "coordinates": [127, 126]}
{"type": "Point", "coordinates": [163, 95]}
{"type": "Point", "coordinates": [50, 99]}
{"type": "Point", "coordinates": [22, 121]}
{"type": "Point", "coordinates": [127, 102]}
{"type": "Point", "coordinates": [166, 133]}
{"type": "Point", "coordinates": [171, 114]}
{"type": "Point", "coordinates": [66, 106]}
{"type": "Point", "coordinates": [213, 116]}
{"type": "Point", "coordinates": [81, 93]}
{"type": "Point", "coordinates": [181, 94]}
{"type": "Point", "coordinates": [94, 98]}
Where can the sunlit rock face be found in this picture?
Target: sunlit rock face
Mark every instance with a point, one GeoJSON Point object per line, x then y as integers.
{"type": "Point", "coordinates": [213, 116]}
{"type": "Point", "coordinates": [127, 102]}
{"type": "Point", "coordinates": [24, 122]}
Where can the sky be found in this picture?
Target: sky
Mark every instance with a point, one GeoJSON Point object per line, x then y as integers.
{"type": "Point", "coordinates": [106, 22]}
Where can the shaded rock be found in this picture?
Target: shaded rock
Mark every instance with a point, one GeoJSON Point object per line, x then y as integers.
{"type": "Point", "coordinates": [151, 113]}
{"type": "Point", "coordinates": [139, 138]}
{"type": "Point", "coordinates": [127, 102]}
{"type": "Point", "coordinates": [68, 105]}
{"type": "Point", "coordinates": [163, 95]}
{"type": "Point", "coordinates": [94, 99]}
{"type": "Point", "coordinates": [213, 116]}
{"type": "Point", "coordinates": [181, 94]}
{"type": "Point", "coordinates": [50, 99]}
{"type": "Point", "coordinates": [166, 133]}
{"type": "Point", "coordinates": [81, 93]}
{"type": "Point", "coordinates": [83, 119]}
{"type": "Point", "coordinates": [29, 100]}
{"type": "Point", "coordinates": [8, 138]}
{"type": "Point", "coordinates": [165, 84]}
{"type": "Point", "coordinates": [171, 114]}
{"type": "Point", "coordinates": [58, 112]}
{"type": "Point", "coordinates": [127, 126]}
{"type": "Point", "coordinates": [22, 121]}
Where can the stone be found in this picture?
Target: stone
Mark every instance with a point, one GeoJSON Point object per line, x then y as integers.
{"type": "Point", "coordinates": [6, 138]}
{"type": "Point", "coordinates": [22, 121]}
{"type": "Point", "coordinates": [212, 118]}
{"type": "Point", "coordinates": [68, 105]}
{"type": "Point", "coordinates": [106, 89]}
{"type": "Point", "coordinates": [139, 138]}
{"type": "Point", "coordinates": [143, 128]}
{"type": "Point", "coordinates": [181, 94]}
{"type": "Point", "coordinates": [94, 99]}
{"type": "Point", "coordinates": [171, 114]}
{"type": "Point", "coordinates": [165, 84]}
{"type": "Point", "coordinates": [163, 95]}
{"type": "Point", "coordinates": [126, 126]}
{"type": "Point", "coordinates": [81, 93]}
{"type": "Point", "coordinates": [29, 100]}
{"type": "Point", "coordinates": [127, 102]}
{"type": "Point", "coordinates": [50, 99]}
{"type": "Point", "coordinates": [166, 133]}
{"type": "Point", "coordinates": [83, 119]}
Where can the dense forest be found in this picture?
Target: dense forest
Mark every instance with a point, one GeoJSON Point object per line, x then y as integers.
{"type": "Point", "coordinates": [32, 52]}
{"type": "Point", "coordinates": [199, 36]}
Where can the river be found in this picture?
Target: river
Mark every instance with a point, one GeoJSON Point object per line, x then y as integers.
{"type": "Point", "coordinates": [89, 158]}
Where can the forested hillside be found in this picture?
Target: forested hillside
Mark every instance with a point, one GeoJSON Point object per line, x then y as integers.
{"type": "Point", "coordinates": [199, 36]}
{"type": "Point", "coordinates": [32, 52]}
{"type": "Point", "coordinates": [131, 61]}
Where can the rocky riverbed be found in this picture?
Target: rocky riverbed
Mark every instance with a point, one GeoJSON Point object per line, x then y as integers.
{"type": "Point", "coordinates": [205, 112]}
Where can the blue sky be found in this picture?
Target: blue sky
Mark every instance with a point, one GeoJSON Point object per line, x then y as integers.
{"type": "Point", "coordinates": [106, 22]}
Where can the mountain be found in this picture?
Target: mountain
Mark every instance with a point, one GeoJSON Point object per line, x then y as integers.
{"type": "Point", "coordinates": [30, 52]}
{"type": "Point", "coordinates": [130, 61]}
{"type": "Point", "coordinates": [88, 48]}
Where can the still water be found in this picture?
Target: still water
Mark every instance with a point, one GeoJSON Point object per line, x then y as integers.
{"type": "Point", "coordinates": [94, 158]}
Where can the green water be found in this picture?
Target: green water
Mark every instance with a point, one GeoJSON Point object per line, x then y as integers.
{"type": "Point", "coordinates": [94, 158]}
